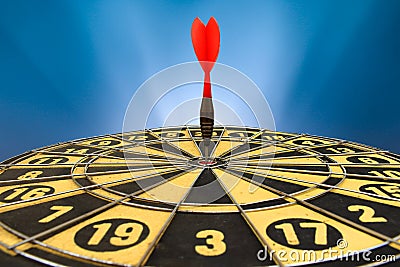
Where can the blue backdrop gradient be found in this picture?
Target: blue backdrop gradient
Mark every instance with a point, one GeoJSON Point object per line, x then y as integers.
{"type": "Point", "coordinates": [69, 68]}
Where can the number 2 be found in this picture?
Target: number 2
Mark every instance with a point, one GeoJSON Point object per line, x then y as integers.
{"type": "Point", "coordinates": [367, 215]}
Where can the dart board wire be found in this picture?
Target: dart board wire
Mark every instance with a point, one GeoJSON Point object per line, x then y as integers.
{"type": "Point", "coordinates": [338, 189]}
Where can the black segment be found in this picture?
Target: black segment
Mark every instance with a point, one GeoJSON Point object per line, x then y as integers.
{"type": "Point", "coordinates": [19, 261]}
{"type": "Point", "coordinates": [140, 185]}
{"type": "Point", "coordinates": [382, 218]}
{"type": "Point", "coordinates": [58, 259]}
{"type": "Point", "coordinates": [278, 155]}
{"type": "Point", "coordinates": [207, 189]}
{"type": "Point", "coordinates": [179, 246]}
{"type": "Point", "coordinates": [265, 204]}
{"type": "Point", "coordinates": [37, 213]}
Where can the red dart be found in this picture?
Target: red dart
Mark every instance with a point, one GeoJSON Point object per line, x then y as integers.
{"type": "Point", "coordinates": [206, 43]}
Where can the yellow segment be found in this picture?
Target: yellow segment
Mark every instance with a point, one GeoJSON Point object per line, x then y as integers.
{"type": "Point", "coordinates": [242, 191]}
{"type": "Point", "coordinates": [209, 208]}
{"type": "Point", "coordinates": [356, 240]}
{"type": "Point", "coordinates": [297, 160]}
{"type": "Point", "coordinates": [129, 256]}
{"type": "Point", "coordinates": [188, 146]}
{"type": "Point", "coordinates": [225, 145]}
{"type": "Point", "coordinates": [151, 151]}
{"type": "Point", "coordinates": [127, 177]}
{"type": "Point", "coordinates": [174, 190]}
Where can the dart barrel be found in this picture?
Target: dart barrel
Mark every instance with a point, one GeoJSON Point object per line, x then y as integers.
{"type": "Point", "coordinates": [206, 118]}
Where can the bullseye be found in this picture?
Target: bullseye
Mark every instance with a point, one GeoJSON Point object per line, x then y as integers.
{"type": "Point", "coordinates": [206, 163]}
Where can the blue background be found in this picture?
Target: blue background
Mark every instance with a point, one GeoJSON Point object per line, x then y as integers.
{"type": "Point", "coordinates": [69, 68]}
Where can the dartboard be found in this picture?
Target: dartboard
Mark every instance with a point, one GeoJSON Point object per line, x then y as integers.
{"type": "Point", "coordinates": [151, 198]}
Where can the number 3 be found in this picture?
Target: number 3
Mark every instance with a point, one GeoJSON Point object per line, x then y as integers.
{"type": "Point", "coordinates": [213, 238]}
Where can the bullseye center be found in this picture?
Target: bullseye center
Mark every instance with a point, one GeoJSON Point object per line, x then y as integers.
{"type": "Point", "coordinates": [206, 163]}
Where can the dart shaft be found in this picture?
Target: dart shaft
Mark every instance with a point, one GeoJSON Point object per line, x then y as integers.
{"type": "Point", "coordinates": [206, 118]}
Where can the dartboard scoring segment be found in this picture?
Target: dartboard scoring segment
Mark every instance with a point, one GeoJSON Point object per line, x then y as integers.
{"type": "Point", "coordinates": [125, 200]}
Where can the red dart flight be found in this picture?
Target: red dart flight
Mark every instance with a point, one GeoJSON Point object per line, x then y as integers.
{"type": "Point", "coordinates": [206, 42]}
